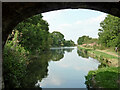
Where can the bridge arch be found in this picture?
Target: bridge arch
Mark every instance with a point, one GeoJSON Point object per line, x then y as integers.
{"type": "Point", "coordinates": [15, 12]}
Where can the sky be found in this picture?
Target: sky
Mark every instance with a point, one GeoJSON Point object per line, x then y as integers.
{"type": "Point", "coordinates": [74, 23]}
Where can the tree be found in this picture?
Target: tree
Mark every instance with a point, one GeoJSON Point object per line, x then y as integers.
{"type": "Point", "coordinates": [109, 34]}
{"type": "Point", "coordinates": [34, 34]}
{"type": "Point", "coordinates": [69, 43]}
{"type": "Point", "coordinates": [57, 39]}
{"type": "Point", "coordinates": [83, 39]}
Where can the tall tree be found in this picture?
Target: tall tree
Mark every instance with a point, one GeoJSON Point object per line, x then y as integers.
{"type": "Point", "coordinates": [34, 33]}
{"type": "Point", "coordinates": [109, 34]}
{"type": "Point", "coordinates": [83, 39]}
{"type": "Point", "coordinates": [57, 38]}
{"type": "Point", "coordinates": [69, 43]}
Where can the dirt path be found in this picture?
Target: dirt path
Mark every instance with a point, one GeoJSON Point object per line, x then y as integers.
{"type": "Point", "coordinates": [105, 51]}
{"type": "Point", "coordinates": [110, 53]}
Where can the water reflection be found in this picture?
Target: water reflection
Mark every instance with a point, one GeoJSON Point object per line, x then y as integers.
{"type": "Point", "coordinates": [82, 53]}
{"type": "Point", "coordinates": [37, 69]}
{"type": "Point", "coordinates": [59, 68]}
{"type": "Point", "coordinates": [69, 71]}
{"type": "Point", "coordinates": [58, 53]}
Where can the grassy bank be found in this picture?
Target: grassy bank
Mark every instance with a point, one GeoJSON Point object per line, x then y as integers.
{"type": "Point", "coordinates": [105, 77]}
{"type": "Point", "coordinates": [103, 57]}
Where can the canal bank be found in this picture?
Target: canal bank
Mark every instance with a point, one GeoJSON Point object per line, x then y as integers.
{"type": "Point", "coordinates": [107, 76]}
{"type": "Point", "coordinates": [104, 58]}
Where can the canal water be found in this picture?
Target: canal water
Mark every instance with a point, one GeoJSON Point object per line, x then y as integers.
{"type": "Point", "coordinates": [64, 67]}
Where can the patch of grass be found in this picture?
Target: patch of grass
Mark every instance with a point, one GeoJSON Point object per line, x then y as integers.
{"type": "Point", "coordinates": [104, 54]}
{"type": "Point", "coordinates": [98, 53]}
{"type": "Point", "coordinates": [103, 77]}
{"type": "Point", "coordinates": [88, 49]}
{"type": "Point", "coordinates": [112, 51]}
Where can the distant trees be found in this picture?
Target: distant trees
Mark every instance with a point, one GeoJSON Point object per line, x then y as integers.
{"type": "Point", "coordinates": [86, 40]}
{"type": "Point", "coordinates": [82, 39]}
{"type": "Point", "coordinates": [109, 34]}
{"type": "Point", "coordinates": [58, 40]}
{"type": "Point", "coordinates": [69, 43]}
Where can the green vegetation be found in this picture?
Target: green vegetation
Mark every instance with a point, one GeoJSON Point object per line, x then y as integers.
{"type": "Point", "coordinates": [33, 34]}
{"type": "Point", "coordinates": [106, 76]}
{"type": "Point", "coordinates": [109, 34]}
{"type": "Point", "coordinates": [86, 40]}
{"type": "Point", "coordinates": [101, 56]}
{"type": "Point", "coordinates": [29, 39]}
{"type": "Point", "coordinates": [82, 53]}
{"type": "Point", "coordinates": [108, 38]}
{"type": "Point", "coordinates": [103, 50]}
{"type": "Point", "coordinates": [69, 43]}
{"type": "Point", "coordinates": [58, 40]}
{"type": "Point", "coordinates": [104, 54]}
{"type": "Point", "coordinates": [103, 78]}
{"type": "Point", "coordinates": [15, 63]}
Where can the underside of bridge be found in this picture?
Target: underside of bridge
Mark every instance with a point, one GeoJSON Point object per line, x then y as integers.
{"type": "Point", "coordinates": [15, 12]}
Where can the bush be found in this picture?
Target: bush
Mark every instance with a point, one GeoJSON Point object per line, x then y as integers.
{"type": "Point", "coordinates": [101, 47]}
{"type": "Point", "coordinates": [14, 65]}
{"type": "Point", "coordinates": [106, 77]}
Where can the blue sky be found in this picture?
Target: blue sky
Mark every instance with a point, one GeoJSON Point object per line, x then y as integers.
{"type": "Point", "coordinates": [74, 23]}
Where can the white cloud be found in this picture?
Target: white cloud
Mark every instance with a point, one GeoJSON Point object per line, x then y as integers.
{"type": "Point", "coordinates": [64, 25]}
{"type": "Point", "coordinates": [78, 22]}
{"type": "Point", "coordinates": [92, 20]}
{"type": "Point", "coordinates": [52, 15]}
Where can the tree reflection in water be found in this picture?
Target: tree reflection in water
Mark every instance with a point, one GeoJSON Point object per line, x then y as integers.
{"type": "Point", "coordinates": [37, 69]}
{"type": "Point", "coordinates": [82, 53]}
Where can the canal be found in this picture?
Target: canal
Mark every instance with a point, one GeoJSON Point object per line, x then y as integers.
{"type": "Point", "coordinates": [63, 67]}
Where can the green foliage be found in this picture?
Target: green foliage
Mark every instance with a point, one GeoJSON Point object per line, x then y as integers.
{"type": "Point", "coordinates": [101, 47]}
{"type": "Point", "coordinates": [58, 40]}
{"type": "Point", "coordinates": [57, 54]}
{"type": "Point", "coordinates": [82, 48]}
{"type": "Point", "coordinates": [103, 77]}
{"type": "Point", "coordinates": [86, 40]}
{"type": "Point", "coordinates": [29, 36]}
{"type": "Point", "coordinates": [36, 70]}
{"type": "Point", "coordinates": [109, 34]}
{"type": "Point", "coordinates": [33, 34]}
{"type": "Point", "coordinates": [98, 53]}
{"type": "Point", "coordinates": [69, 43]}
{"type": "Point", "coordinates": [14, 64]}
{"type": "Point", "coordinates": [80, 40]}
{"type": "Point", "coordinates": [82, 53]}
{"type": "Point", "coordinates": [104, 54]}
